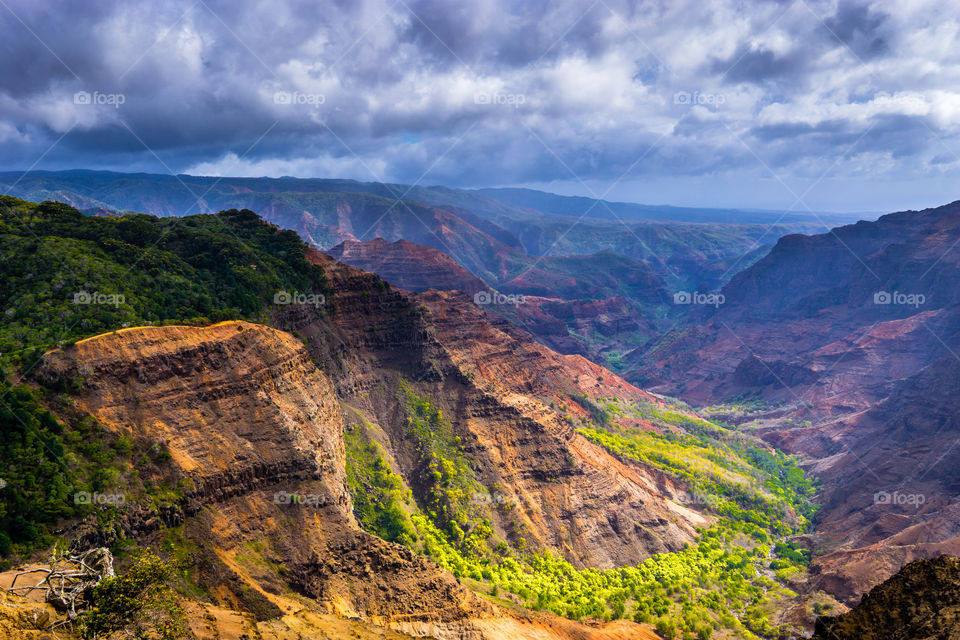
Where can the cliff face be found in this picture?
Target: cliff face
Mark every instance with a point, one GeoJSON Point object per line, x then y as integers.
{"type": "Point", "coordinates": [575, 494]}
{"type": "Point", "coordinates": [832, 306]}
{"type": "Point", "coordinates": [190, 389]}
{"type": "Point", "coordinates": [256, 428]}
{"type": "Point", "coordinates": [410, 266]}
{"type": "Point", "coordinates": [496, 384]}
{"type": "Point", "coordinates": [254, 433]}
{"type": "Point", "coordinates": [891, 491]}
{"type": "Point", "coordinates": [921, 602]}
{"type": "Point", "coordinates": [574, 304]}
{"type": "Point", "coordinates": [851, 374]}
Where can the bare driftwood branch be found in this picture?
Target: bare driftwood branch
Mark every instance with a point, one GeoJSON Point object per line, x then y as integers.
{"type": "Point", "coordinates": [68, 579]}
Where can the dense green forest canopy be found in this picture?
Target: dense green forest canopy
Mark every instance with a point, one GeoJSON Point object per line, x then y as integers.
{"type": "Point", "coordinates": [68, 276]}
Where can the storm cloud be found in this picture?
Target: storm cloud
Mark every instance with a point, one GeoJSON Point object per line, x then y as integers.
{"type": "Point", "coordinates": [590, 95]}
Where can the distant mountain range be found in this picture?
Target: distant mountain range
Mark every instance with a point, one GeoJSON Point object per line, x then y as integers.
{"type": "Point", "coordinates": [604, 209]}
{"type": "Point", "coordinates": [843, 348]}
{"type": "Point", "coordinates": [607, 282]}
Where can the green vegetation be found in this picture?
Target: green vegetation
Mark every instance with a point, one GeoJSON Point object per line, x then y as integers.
{"type": "Point", "coordinates": [719, 582]}
{"type": "Point", "coordinates": [51, 469]}
{"type": "Point", "coordinates": [139, 604]}
{"type": "Point", "coordinates": [723, 478]}
{"type": "Point", "coordinates": [445, 475]}
{"type": "Point", "coordinates": [379, 495]}
{"type": "Point", "coordinates": [729, 581]}
{"type": "Point", "coordinates": [60, 464]}
{"type": "Point", "coordinates": [614, 361]}
{"type": "Point", "coordinates": [738, 477]}
{"type": "Point", "coordinates": [57, 264]}
{"type": "Point", "coordinates": [207, 268]}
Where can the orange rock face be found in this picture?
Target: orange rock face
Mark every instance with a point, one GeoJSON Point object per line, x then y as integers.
{"type": "Point", "coordinates": [410, 266]}
{"type": "Point", "coordinates": [256, 427]}
{"type": "Point", "coordinates": [249, 419]}
{"type": "Point", "coordinates": [496, 385]}
{"type": "Point", "coordinates": [233, 403]}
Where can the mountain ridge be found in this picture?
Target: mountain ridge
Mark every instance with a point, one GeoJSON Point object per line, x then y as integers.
{"type": "Point", "coordinates": [516, 470]}
{"type": "Point", "coordinates": [841, 348]}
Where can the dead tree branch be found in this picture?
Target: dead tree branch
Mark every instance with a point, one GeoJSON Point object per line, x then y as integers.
{"type": "Point", "coordinates": [68, 579]}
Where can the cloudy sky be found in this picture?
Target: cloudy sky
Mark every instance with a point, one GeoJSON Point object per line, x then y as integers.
{"type": "Point", "coordinates": [849, 106]}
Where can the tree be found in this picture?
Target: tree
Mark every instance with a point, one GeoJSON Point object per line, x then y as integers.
{"type": "Point", "coordinates": [139, 604]}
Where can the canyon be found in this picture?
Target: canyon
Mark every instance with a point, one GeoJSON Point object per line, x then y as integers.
{"type": "Point", "coordinates": [626, 262]}
{"type": "Point", "coordinates": [835, 348]}
{"type": "Point", "coordinates": [841, 347]}
{"type": "Point", "coordinates": [247, 416]}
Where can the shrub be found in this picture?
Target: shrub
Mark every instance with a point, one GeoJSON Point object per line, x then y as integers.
{"type": "Point", "coordinates": [139, 604]}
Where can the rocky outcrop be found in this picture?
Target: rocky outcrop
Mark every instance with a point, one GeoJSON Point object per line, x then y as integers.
{"type": "Point", "coordinates": [844, 305]}
{"type": "Point", "coordinates": [407, 265]}
{"type": "Point", "coordinates": [589, 305]}
{"type": "Point", "coordinates": [23, 619]}
{"type": "Point", "coordinates": [607, 513]}
{"type": "Point", "coordinates": [891, 493]}
{"type": "Point", "coordinates": [497, 385]}
{"type": "Point", "coordinates": [256, 428]}
{"type": "Point", "coordinates": [190, 389]}
{"type": "Point", "coordinates": [253, 430]}
{"type": "Point", "coordinates": [847, 341]}
{"type": "Point", "coordinates": [921, 602]}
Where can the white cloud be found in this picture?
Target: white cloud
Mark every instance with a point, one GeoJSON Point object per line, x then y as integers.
{"type": "Point", "coordinates": [519, 93]}
{"type": "Point", "coordinates": [232, 165]}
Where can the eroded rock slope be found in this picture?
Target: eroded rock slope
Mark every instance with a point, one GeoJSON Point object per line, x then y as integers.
{"type": "Point", "coordinates": [254, 433]}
